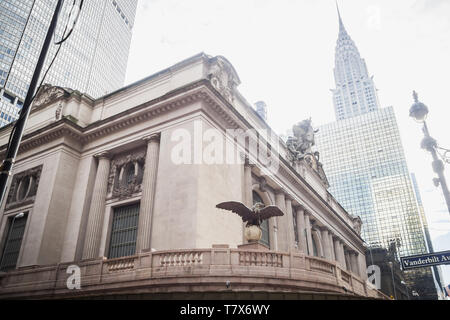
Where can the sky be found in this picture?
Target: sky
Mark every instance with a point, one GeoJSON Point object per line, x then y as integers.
{"type": "Point", "coordinates": [283, 51]}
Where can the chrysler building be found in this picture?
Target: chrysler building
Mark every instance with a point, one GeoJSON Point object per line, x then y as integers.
{"type": "Point", "coordinates": [355, 92]}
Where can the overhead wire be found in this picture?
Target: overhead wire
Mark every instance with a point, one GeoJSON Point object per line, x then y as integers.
{"type": "Point", "coordinates": [59, 43]}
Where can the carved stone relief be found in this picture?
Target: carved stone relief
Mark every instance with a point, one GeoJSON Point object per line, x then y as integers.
{"type": "Point", "coordinates": [357, 224]}
{"type": "Point", "coordinates": [126, 174]}
{"type": "Point", "coordinates": [299, 149]}
{"type": "Point", "coordinates": [47, 95]}
{"type": "Point", "coordinates": [23, 188]}
{"type": "Point", "coordinates": [223, 78]}
{"type": "Point", "coordinates": [58, 112]}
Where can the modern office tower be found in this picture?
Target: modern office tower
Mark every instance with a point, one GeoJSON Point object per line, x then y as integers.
{"type": "Point", "coordinates": [355, 92]}
{"type": "Point", "coordinates": [93, 60]}
{"type": "Point", "coordinates": [363, 157]}
{"type": "Point", "coordinates": [366, 167]}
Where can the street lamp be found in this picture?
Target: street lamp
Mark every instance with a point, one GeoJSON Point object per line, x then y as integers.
{"type": "Point", "coordinates": [419, 112]}
{"type": "Point", "coordinates": [393, 282]}
{"type": "Point", "coordinates": [406, 287]}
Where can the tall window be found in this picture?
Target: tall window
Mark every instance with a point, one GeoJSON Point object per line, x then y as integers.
{"type": "Point", "coordinates": [265, 225]}
{"type": "Point", "coordinates": [13, 242]}
{"type": "Point", "coordinates": [124, 231]}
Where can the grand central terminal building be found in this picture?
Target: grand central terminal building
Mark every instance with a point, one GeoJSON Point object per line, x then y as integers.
{"type": "Point", "coordinates": [116, 198]}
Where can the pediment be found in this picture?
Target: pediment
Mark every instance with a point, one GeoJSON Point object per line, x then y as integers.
{"type": "Point", "coordinates": [48, 94]}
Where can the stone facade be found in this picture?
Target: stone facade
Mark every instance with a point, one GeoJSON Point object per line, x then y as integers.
{"type": "Point", "coordinates": [89, 159]}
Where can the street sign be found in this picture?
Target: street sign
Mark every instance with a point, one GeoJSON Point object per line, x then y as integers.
{"type": "Point", "coordinates": [425, 260]}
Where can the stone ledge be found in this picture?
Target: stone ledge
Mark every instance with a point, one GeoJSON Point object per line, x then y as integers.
{"type": "Point", "coordinates": [189, 270]}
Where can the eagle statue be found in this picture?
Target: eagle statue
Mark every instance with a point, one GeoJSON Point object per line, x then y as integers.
{"type": "Point", "coordinates": [253, 217]}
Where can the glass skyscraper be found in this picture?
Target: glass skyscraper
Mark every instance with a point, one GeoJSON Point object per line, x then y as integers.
{"type": "Point", "coordinates": [92, 61]}
{"type": "Point", "coordinates": [363, 157]}
{"type": "Point", "coordinates": [366, 167]}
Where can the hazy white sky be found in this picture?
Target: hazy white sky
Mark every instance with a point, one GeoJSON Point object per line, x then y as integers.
{"type": "Point", "coordinates": [283, 51]}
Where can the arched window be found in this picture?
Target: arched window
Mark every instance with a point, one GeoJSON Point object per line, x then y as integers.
{"type": "Point", "coordinates": [25, 186]}
{"type": "Point", "coordinates": [129, 174]}
{"type": "Point", "coordinates": [265, 225]}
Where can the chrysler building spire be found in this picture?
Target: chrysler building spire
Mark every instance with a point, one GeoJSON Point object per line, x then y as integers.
{"type": "Point", "coordinates": [355, 92]}
{"type": "Point", "coordinates": [341, 24]}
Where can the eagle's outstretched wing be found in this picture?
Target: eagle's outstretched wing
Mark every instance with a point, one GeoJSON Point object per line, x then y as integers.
{"type": "Point", "coordinates": [269, 212]}
{"type": "Point", "coordinates": [238, 208]}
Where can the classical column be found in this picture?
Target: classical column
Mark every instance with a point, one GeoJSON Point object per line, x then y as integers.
{"type": "Point", "coordinates": [282, 230]}
{"type": "Point", "coordinates": [347, 260]}
{"type": "Point", "coordinates": [342, 255]}
{"type": "Point", "coordinates": [248, 190]}
{"type": "Point", "coordinates": [308, 234]}
{"type": "Point", "coordinates": [290, 224]}
{"type": "Point", "coordinates": [273, 235]}
{"type": "Point", "coordinates": [354, 262]}
{"type": "Point", "coordinates": [97, 208]}
{"type": "Point", "coordinates": [248, 194]}
{"type": "Point", "coordinates": [325, 243]}
{"type": "Point", "coordinates": [148, 193]}
{"type": "Point", "coordinates": [362, 266]}
{"type": "Point", "coordinates": [301, 230]}
{"type": "Point", "coordinates": [337, 251]}
{"type": "Point", "coordinates": [331, 244]}
{"type": "Point", "coordinates": [316, 235]}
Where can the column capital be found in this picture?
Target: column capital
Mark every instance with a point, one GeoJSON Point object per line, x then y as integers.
{"type": "Point", "coordinates": [288, 197]}
{"type": "Point", "coordinates": [103, 155]}
{"type": "Point", "coordinates": [262, 184]}
{"type": "Point", "coordinates": [307, 214]}
{"type": "Point", "coordinates": [247, 162]}
{"type": "Point", "coordinates": [299, 208]}
{"type": "Point", "coordinates": [279, 192]}
{"type": "Point", "coordinates": [152, 137]}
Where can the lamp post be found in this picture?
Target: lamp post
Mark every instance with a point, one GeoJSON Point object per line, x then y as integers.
{"type": "Point", "coordinates": [419, 112]}
{"type": "Point", "coordinates": [393, 282]}
{"type": "Point", "coordinates": [406, 287]}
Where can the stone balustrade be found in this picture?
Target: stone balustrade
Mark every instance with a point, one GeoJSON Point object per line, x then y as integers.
{"type": "Point", "coordinates": [180, 259]}
{"type": "Point", "coordinates": [120, 264]}
{"type": "Point", "coordinates": [262, 259]}
{"type": "Point", "coordinates": [192, 270]}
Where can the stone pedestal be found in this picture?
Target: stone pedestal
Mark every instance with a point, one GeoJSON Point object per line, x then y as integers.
{"type": "Point", "coordinates": [254, 246]}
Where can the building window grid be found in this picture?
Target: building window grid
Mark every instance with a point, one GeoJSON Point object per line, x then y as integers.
{"type": "Point", "coordinates": [380, 129]}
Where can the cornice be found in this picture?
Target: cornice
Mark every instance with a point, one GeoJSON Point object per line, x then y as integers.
{"type": "Point", "coordinates": [138, 114]}
{"type": "Point", "coordinates": [201, 90]}
{"type": "Point", "coordinates": [145, 111]}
